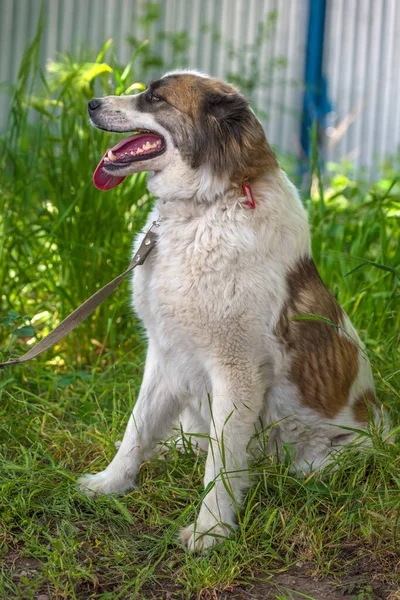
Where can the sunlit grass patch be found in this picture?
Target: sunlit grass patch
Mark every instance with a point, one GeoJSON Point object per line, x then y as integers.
{"type": "Point", "coordinates": [129, 544]}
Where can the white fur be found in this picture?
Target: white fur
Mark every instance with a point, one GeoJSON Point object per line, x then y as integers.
{"type": "Point", "coordinates": [210, 295]}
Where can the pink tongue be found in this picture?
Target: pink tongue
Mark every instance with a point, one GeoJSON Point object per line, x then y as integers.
{"type": "Point", "coordinates": [104, 181]}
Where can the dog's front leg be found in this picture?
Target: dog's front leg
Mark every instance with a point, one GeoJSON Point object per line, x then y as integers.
{"type": "Point", "coordinates": [236, 404]}
{"type": "Point", "coordinates": [152, 417]}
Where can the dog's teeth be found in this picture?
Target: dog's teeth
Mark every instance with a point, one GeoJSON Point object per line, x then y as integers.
{"type": "Point", "coordinates": [150, 146]}
{"type": "Point", "coordinates": [111, 155]}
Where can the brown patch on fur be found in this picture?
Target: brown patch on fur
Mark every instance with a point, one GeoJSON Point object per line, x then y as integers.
{"type": "Point", "coordinates": [324, 361]}
{"type": "Point", "coordinates": [186, 91]}
{"type": "Point", "coordinates": [361, 405]}
{"type": "Point", "coordinates": [227, 136]}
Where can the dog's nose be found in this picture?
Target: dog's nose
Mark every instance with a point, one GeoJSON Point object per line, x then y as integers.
{"type": "Point", "coordinates": [94, 104]}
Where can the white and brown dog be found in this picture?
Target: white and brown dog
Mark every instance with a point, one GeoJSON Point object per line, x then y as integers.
{"type": "Point", "coordinates": [231, 268]}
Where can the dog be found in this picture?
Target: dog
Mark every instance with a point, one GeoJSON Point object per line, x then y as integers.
{"type": "Point", "coordinates": [226, 297]}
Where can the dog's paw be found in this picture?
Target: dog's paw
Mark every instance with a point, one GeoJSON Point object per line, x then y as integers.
{"type": "Point", "coordinates": [200, 539]}
{"type": "Point", "coordinates": [104, 482]}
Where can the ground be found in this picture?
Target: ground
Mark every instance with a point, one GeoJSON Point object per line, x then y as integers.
{"type": "Point", "coordinates": [331, 537]}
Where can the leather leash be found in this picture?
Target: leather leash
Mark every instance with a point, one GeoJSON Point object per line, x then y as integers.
{"type": "Point", "coordinates": [86, 309]}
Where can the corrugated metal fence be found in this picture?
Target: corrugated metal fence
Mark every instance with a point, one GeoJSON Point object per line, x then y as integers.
{"type": "Point", "coordinates": [361, 56]}
{"type": "Point", "coordinates": [362, 65]}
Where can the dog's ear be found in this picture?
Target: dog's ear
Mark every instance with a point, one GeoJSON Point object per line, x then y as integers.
{"type": "Point", "coordinates": [222, 125]}
{"type": "Point", "coordinates": [229, 139]}
{"type": "Point", "coordinates": [230, 110]}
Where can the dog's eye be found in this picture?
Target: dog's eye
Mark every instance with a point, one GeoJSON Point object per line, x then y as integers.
{"type": "Point", "coordinates": [153, 97]}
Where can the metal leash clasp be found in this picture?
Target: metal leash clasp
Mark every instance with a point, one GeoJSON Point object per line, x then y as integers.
{"type": "Point", "coordinates": [147, 245]}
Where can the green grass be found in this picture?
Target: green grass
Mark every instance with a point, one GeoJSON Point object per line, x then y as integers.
{"type": "Point", "coordinates": [60, 416]}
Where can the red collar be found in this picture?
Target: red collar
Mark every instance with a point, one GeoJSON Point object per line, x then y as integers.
{"type": "Point", "coordinates": [248, 193]}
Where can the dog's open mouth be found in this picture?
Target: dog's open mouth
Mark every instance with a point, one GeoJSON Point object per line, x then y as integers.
{"type": "Point", "coordinates": [143, 145]}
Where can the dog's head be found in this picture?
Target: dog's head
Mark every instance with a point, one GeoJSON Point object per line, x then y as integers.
{"type": "Point", "coordinates": [194, 132]}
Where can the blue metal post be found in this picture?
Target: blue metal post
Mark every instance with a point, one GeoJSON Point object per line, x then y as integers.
{"type": "Point", "coordinates": [316, 104]}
